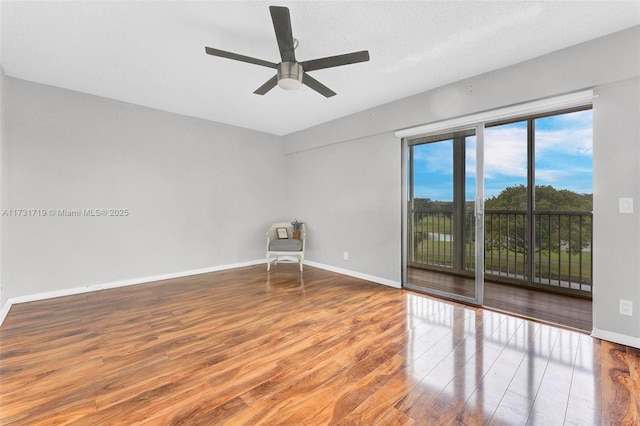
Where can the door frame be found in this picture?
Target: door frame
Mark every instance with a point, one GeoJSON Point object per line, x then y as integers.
{"type": "Point", "coordinates": [478, 128]}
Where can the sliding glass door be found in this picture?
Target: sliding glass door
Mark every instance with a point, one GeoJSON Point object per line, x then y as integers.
{"type": "Point", "coordinates": [536, 230]}
{"type": "Point", "coordinates": [442, 215]}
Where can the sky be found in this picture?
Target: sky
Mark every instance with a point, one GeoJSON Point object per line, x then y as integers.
{"type": "Point", "coordinates": [563, 158]}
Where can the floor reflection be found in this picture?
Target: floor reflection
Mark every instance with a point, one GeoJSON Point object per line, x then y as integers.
{"type": "Point", "coordinates": [555, 308]}
{"type": "Point", "coordinates": [489, 365]}
{"type": "Point", "coordinates": [285, 279]}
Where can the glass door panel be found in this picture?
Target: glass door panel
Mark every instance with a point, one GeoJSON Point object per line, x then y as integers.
{"type": "Point", "coordinates": [506, 195]}
{"type": "Point", "coordinates": [563, 200]}
{"type": "Point", "coordinates": [539, 197]}
{"type": "Point", "coordinates": [432, 205]}
{"type": "Point", "coordinates": [441, 220]}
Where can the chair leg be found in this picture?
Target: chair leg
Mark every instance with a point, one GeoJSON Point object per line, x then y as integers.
{"type": "Point", "coordinates": [268, 264]}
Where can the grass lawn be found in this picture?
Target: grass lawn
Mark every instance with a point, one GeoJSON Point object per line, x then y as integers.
{"type": "Point", "coordinates": [561, 266]}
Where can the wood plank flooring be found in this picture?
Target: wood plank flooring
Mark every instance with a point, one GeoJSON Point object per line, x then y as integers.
{"type": "Point", "coordinates": [569, 311]}
{"type": "Point", "coordinates": [247, 347]}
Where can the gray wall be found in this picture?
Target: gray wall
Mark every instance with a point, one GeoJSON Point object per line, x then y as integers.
{"type": "Point", "coordinates": [616, 154]}
{"type": "Point", "coordinates": [349, 194]}
{"type": "Point", "coordinates": [199, 194]}
{"type": "Point", "coordinates": [3, 192]}
{"type": "Point", "coordinates": [327, 149]}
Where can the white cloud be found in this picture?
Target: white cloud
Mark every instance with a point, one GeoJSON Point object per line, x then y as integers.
{"type": "Point", "coordinates": [565, 134]}
{"type": "Point", "coordinates": [566, 141]}
{"type": "Point", "coordinates": [434, 157]}
{"type": "Point", "coordinates": [505, 152]}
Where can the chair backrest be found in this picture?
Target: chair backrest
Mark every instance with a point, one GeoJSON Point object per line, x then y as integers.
{"type": "Point", "coordinates": [303, 235]}
{"type": "Point", "coordinates": [272, 233]}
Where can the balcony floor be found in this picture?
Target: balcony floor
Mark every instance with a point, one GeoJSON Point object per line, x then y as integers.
{"type": "Point", "coordinates": [569, 311]}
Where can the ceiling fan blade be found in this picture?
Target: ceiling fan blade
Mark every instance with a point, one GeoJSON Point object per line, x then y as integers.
{"type": "Point", "coordinates": [317, 86]}
{"type": "Point", "coordinates": [335, 61]}
{"type": "Point", "coordinates": [282, 26]}
{"type": "Point", "coordinates": [270, 84]}
{"type": "Point", "coordinates": [241, 58]}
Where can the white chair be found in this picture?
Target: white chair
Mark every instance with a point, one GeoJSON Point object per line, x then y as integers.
{"type": "Point", "coordinates": [283, 249]}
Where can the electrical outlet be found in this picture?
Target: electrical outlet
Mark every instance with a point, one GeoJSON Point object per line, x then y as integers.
{"type": "Point", "coordinates": [626, 307]}
{"type": "Point", "coordinates": [345, 256]}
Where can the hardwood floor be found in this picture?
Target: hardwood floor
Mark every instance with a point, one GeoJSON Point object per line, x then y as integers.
{"type": "Point", "coordinates": [247, 347]}
{"type": "Point", "coordinates": [568, 311]}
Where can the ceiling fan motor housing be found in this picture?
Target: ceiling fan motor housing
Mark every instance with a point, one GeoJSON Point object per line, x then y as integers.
{"type": "Point", "coordinates": [290, 75]}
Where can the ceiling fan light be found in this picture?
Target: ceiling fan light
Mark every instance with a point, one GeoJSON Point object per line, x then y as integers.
{"type": "Point", "coordinates": [289, 84]}
{"type": "Point", "coordinates": [290, 75]}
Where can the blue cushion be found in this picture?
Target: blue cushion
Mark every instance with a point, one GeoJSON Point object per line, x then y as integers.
{"type": "Point", "coordinates": [285, 245]}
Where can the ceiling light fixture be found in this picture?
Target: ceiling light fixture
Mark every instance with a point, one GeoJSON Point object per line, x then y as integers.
{"type": "Point", "coordinates": [290, 75]}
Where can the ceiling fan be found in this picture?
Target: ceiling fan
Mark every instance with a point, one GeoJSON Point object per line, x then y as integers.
{"type": "Point", "coordinates": [292, 74]}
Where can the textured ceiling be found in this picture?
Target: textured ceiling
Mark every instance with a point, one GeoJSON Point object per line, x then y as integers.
{"type": "Point", "coordinates": [151, 53]}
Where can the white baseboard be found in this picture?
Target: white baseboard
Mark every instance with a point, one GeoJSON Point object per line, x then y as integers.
{"type": "Point", "coordinates": [611, 336]}
{"type": "Point", "coordinates": [5, 310]}
{"type": "Point", "coordinates": [372, 278]}
{"type": "Point", "coordinates": [114, 284]}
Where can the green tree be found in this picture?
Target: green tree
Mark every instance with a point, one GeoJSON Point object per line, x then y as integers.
{"type": "Point", "coordinates": [422, 204]}
{"type": "Point", "coordinates": [547, 198]}
{"type": "Point", "coordinates": [506, 227]}
{"type": "Point", "coordinates": [426, 204]}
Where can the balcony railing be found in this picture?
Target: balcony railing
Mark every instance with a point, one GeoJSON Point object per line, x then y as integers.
{"type": "Point", "coordinates": [558, 256]}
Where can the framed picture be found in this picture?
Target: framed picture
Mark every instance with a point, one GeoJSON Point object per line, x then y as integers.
{"type": "Point", "coordinates": [282, 233]}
